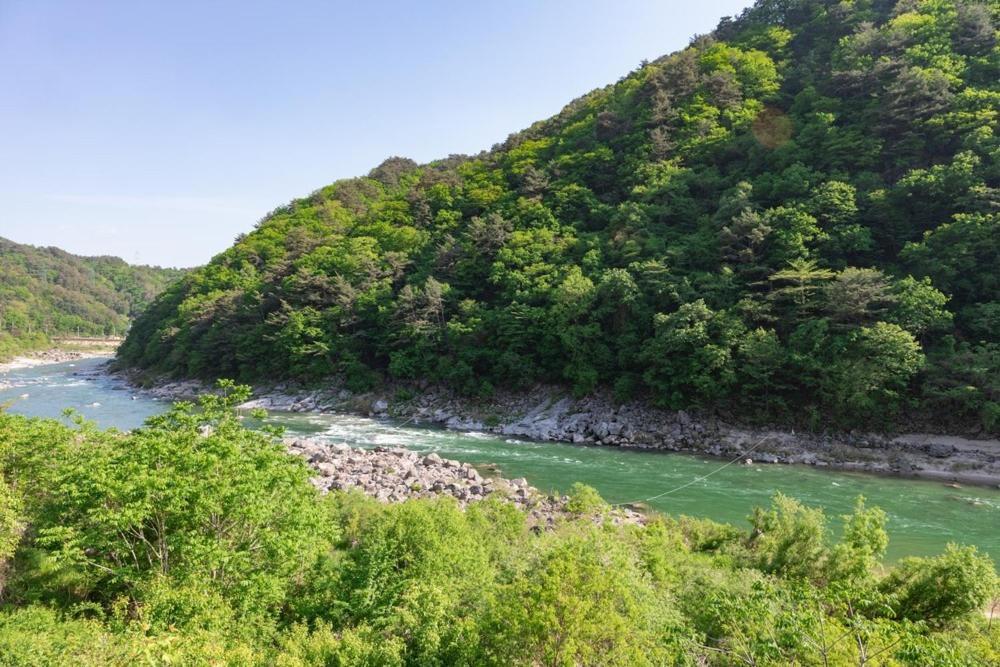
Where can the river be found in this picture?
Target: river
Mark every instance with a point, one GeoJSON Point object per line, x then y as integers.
{"type": "Point", "coordinates": [923, 516]}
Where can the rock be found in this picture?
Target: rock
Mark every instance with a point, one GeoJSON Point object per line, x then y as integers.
{"type": "Point", "coordinates": [380, 406]}
{"type": "Point", "coordinates": [394, 475]}
{"type": "Point", "coordinates": [326, 469]}
{"type": "Point", "coordinates": [319, 456]}
{"type": "Point", "coordinates": [940, 450]}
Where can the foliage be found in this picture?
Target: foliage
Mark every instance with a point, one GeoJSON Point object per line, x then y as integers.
{"type": "Point", "coordinates": [11, 528]}
{"type": "Point", "coordinates": [585, 501]}
{"type": "Point", "coordinates": [874, 369]}
{"type": "Point", "coordinates": [964, 380]}
{"type": "Point", "coordinates": [691, 354]}
{"type": "Point", "coordinates": [192, 497]}
{"type": "Point", "coordinates": [812, 172]}
{"type": "Point", "coordinates": [942, 589]}
{"type": "Point", "coordinates": [788, 539]}
{"type": "Point", "coordinates": [240, 561]}
{"type": "Point", "coordinates": [47, 292]}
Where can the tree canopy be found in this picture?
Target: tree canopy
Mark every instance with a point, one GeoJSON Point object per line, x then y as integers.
{"type": "Point", "coordinates": [821, 176]}
{"type": "Point", "coordinates": [48, 292]}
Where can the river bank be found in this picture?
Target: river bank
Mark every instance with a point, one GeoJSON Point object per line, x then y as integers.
{"type": "Point", "coordinates": [924, 515]}
{"type": "Point", "coordinates": [53, 356]}
{"type": "Point", "coordinates": [548, 414]}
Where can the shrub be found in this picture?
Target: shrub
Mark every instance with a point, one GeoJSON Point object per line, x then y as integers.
{"type": "Point", "coordinates": [942, 589]}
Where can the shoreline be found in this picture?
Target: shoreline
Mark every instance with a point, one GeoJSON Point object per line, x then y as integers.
{"type": "Point", "coordinates": [547, 414]}
{"type": "Point", "coordinates": [55, 355]}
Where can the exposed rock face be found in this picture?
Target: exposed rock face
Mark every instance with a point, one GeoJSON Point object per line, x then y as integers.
{"type": "Point", "coordinates": [394, 475]}
{"type": "Point", "coordinates": [598, 420]}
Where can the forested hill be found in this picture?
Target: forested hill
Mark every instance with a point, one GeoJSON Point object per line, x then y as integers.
{"type": "Point", "coordinates": [47, 291]}
{"type": "Point", "coordinates": [797, 218]}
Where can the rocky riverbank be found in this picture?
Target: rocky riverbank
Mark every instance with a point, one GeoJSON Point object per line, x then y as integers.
{"type": "Point", "coordinates": [394, 475]}
{"type": "Point", "coordinates": [549, 414]}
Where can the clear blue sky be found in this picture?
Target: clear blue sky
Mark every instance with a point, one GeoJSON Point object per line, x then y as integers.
{"type": "Point", "coordinates": [159, 131]}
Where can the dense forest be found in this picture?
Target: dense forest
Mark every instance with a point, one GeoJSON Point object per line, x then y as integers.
{"type": "Point", "coordinates": [195, 541]}
{"type": "Point", "coordinates": [795, 218]}
{"type": "Point", "coordinates": [48, 292]}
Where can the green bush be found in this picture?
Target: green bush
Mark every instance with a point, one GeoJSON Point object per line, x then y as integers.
{"type": "Point", "coordinates": [194, 541]}
{"type": "Point", "coordinates": [585, 500]}
{"type": "Point", "coordinates": [944, 589]}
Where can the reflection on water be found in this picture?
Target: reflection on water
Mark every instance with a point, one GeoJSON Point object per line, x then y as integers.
{"type": "Point", "coordinates": [923, 516]}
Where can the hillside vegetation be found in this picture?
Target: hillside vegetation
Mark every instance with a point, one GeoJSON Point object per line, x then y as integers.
{"type": "Point", "coordinates": [194, 541]}
{"type": "Point", "coordinates": [796, 218]}
{"type": "Point", "coordinates": [48, 292]}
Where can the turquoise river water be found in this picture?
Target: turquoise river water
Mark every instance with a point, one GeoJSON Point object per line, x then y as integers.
{"type": "Point", "coordinates": [923, 516]}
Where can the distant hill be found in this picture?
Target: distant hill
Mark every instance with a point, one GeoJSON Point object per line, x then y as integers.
{"type": "Point", "coordinates": [47, 292]}
{"type": "Point", "coordinates": [796, 217]}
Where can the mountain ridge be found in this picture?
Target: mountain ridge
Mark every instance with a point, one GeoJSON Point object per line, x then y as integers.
{"type": "Point", "coordinates": [47, 291]}
{"type": "Point", "coordinates": [793, 218]}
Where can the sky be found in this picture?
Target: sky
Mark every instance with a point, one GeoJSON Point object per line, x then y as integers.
{"type": "Point", "coordinates": [157, 132]}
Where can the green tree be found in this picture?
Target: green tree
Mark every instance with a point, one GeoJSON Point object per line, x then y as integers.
{"type": "Point", "coordinates": [799, 281]}
{"type": "Point", "coordinates": [565, 610]}
{"type": "Point", "coordinates": [691, 355]}
{"type": "Point", "coordinates": [872, 371]}
{"type": "Point", "coordinates": [761, 360]}
{"type": "Point", "coordinates": [789, 539]}
{"type": "Point", "coordinates": [793, 236]}
{"type": "Point", "coordinates": [857, 296]}
{"type": "Point", "coordinates": [919, 307]}
{"type": "Point", "coordinates": [953, 256]}
{"type": "Point", "coordinates": [941, 590]}
{"type": "Point", "coordinates": [192, 496]}
{"type": "Point", "coordinates": [11, 529]}
{"type": "Point", "coordinates": [855, 558]}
